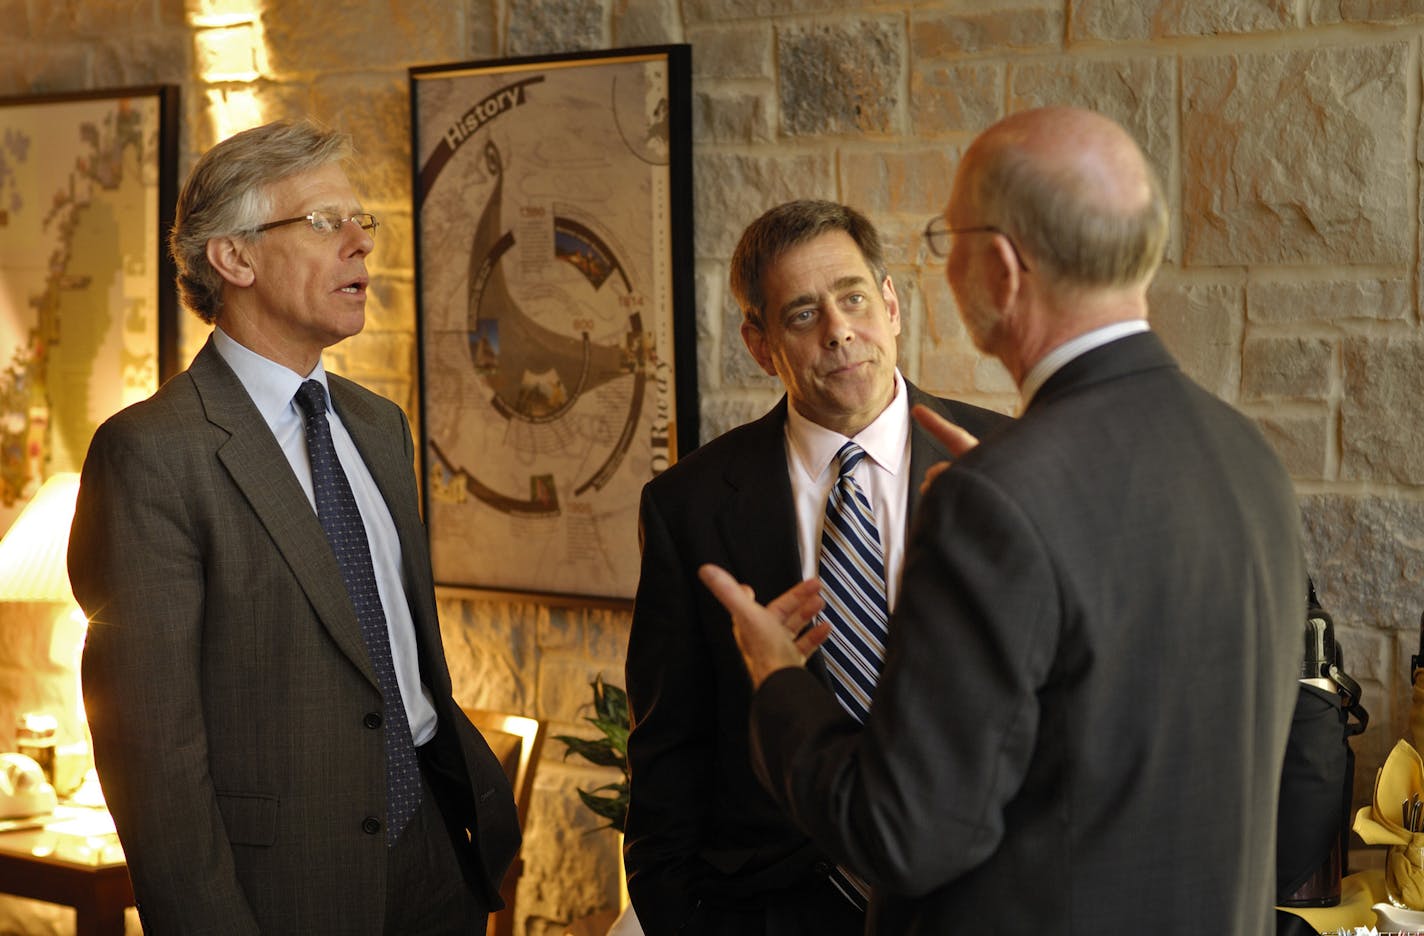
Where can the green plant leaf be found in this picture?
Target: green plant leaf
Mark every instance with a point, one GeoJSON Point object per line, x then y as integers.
{"type": "Point", "coordinates": [595, 752]}
{"type": "Point", "coordinates": [610, 704]}
{"type": "Point", "coordinates": [612, 808]}
{"type": "Point", "coordinates": [615, 733]}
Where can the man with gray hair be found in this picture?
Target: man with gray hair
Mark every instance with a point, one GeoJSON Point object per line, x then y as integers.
{"type": "Point", "coordinates": [264, 676]}
{"type": "Point", "coordinates": [1090, 677]}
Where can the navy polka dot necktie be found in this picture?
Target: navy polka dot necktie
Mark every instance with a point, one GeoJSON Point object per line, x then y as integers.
{"type": "Point", "coordinates": [341, 520]}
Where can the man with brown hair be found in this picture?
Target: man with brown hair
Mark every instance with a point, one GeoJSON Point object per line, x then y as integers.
{"type": "Point", "coordinates": [708, 851]}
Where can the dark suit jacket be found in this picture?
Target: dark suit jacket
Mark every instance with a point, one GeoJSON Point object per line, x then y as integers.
{"type": "Point", "coordinates": [1089, 678]}
{"type": "Point", "coordinates": [225, 679]}
{"type": "Point", "coordinates": [700, 828]}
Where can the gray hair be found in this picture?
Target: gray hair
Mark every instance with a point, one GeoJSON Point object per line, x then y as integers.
{"type": "Point", "coordinates": [227, 194]}
{"type": "Point", "coordinates": [1062, 221]}
{"type": "Point", "coordinates": [789, 225]}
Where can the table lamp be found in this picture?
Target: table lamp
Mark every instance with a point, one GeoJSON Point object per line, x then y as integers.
{"type": "Point", "coordinates": [33, 570]}
{"type": "Point", "coordinates": [32, 553]}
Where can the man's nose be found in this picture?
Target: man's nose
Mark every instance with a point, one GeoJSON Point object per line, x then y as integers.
{"type": "Point", "coordinates": [358, 240]}
{"type": "Point", "coordinates": [836, 324]}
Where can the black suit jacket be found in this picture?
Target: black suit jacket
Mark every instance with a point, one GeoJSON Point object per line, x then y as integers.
{"type": "Point", "coordinates": [231, 700]}
{"type": "Point", "coordinates": [1089, 678]}
{"type": "Point", "coordinates": [700, 827]}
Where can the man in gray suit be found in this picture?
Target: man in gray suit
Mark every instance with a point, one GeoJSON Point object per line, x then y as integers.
{"type": "Point", "coordinates": [1090, 676]}
{"type": "Point", "coordinates": [266, 686]}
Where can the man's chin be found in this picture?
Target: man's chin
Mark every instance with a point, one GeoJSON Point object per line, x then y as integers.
{"type": "Point", "coordinates": [864, 395]}
{"type": "Point", "coordinates": [865, 380]}
{"type": "Point", "coordinates": [350, 323]}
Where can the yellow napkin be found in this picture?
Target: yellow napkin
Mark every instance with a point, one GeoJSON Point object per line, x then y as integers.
{"type": "Point", "coordinates": [1416, 712]}
{"type": "Point", "coordinates": [1400, 779]}
{"type": "Point", "coordinates": [1404, 873]}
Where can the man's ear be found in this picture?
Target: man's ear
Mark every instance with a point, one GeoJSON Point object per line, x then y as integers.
{"type": "Point", "coordinates": [229, 257]}
{"type": "Point", "coordinates": [1004, 272]}
{"type": "Point", "coordinates": [754, 338]}
{"type": "Point", "coordinates": [892, 304]}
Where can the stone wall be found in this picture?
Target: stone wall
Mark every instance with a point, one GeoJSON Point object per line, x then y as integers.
{"type": "Point", "coordinates": [1288, 133]}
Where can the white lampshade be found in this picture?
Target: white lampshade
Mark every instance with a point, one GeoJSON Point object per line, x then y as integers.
{"type": "Point", "coordinates": [33, 552]}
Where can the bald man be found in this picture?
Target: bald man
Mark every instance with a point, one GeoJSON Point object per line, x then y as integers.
{"type": "Point", "coordinates": [1090, 674]}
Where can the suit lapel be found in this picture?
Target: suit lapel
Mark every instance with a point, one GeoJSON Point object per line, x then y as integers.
{"type": "Point", "coordinates": [390, 467]}
{"type": "Point", "coordinates": [925, 449]}
{"type": "Point", "coordinates": [382, 459]}
{"type": "Point", "coordinates": [260, 470]}
{"type": "Point", "coordinates": [758, 521]}
{"type": "Point", "coordinates": [1129, 355]}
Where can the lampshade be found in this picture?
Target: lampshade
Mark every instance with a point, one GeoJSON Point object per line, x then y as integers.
{"type": "Point", "coordinates": [32, 554]}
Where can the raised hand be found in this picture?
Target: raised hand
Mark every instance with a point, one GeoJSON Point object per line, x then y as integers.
{"type": "Point", "coordinates": [954, 437]}
{"type": "Point", "coordinates": [783, 633]}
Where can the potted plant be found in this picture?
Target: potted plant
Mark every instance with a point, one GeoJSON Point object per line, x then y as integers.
{"type": "Point", "coordinates": [609, 801]}
{"type": "Point", "coordinates": [610, 706]}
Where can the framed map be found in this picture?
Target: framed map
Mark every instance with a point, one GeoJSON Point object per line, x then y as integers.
{"type": "Point", "coordinates": [553, 234]}
{"type": "Point", "coordinates": [87, 306]}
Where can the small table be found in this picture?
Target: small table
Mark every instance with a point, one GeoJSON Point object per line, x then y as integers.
{"type": "Point", "coordinates": [72, 858]}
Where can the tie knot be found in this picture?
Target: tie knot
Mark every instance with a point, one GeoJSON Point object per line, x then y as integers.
{"type": "Point", "coordinates": [849, 456]}
{"type": "Point", "coordinates": [311, 398]}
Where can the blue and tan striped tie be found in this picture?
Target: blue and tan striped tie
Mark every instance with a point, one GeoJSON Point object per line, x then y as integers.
{"type": "Point", "coordinates": [853, 585]}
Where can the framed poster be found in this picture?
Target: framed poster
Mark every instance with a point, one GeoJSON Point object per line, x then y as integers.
{"type": "Point", "coordinates": [87, 303]}
{"type": "Point", "coordinates": [555, 320]}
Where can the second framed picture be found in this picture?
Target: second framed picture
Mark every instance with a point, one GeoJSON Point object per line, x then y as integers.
{"type": "Point", "coordinates": [88, 313]}
{"type": "Point", "coordinates": [553, 223]}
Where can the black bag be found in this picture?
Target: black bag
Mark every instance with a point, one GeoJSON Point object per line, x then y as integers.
{"type": "Point", "coordinates": [1318, 774]}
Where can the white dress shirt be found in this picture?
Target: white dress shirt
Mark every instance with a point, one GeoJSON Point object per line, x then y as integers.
{"type": "Point", "coordinates": [1049, 364]}
{"type": "Point", "coordinates": [884, 476]}
{"type": "Point", "coordinates": [273, 389]}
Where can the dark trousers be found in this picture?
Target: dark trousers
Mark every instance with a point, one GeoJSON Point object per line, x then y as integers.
{"type": "Point", "coordinates": [816, 908]}
{"type": "Point", "coordinates": [428, 889]}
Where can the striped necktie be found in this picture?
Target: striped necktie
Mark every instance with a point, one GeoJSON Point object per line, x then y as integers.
{"type": "Point", "coordinates": [341, 521]}
{"type": "Point", "coordinates": [852, 576]}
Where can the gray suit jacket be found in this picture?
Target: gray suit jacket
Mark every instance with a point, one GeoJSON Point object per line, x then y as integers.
{"type": "Point", "coordinates": [227, 686]}
{"type": "Point", "coordinates": [706, 845]}
{"type": "Point", "coordinates": [1089, 679]}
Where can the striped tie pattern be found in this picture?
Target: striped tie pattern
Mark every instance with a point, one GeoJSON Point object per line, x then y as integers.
{"type": "Point", "coordinates": [341, 521]}
{"type": "Point", "coordinates": [852, 575]}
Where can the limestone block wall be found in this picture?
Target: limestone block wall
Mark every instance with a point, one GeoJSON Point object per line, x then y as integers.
{"type": "Point", "coordinates": [1288, 134]}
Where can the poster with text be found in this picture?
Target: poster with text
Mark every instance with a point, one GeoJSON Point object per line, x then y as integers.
{"type": "Point", "coordinates": [552, 204]}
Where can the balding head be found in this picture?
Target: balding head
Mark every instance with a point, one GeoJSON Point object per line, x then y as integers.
{"type": "Point", "coordinates": [1073, 191]}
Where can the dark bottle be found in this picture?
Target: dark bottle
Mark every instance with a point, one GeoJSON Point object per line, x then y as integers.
{"type": "Point", "coordinates": [1318, 772]}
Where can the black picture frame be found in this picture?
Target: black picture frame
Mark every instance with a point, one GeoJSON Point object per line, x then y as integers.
{"type": "Point", "coordinates": [555, 320]}
{"type": "Point", "coordinates": [88, 311]}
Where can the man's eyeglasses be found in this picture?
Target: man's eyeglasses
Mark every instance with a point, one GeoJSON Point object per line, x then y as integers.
{"type": "Point", "coordinates": [938, 233]}
{"type": "Point", "coordinates": [327, 222]}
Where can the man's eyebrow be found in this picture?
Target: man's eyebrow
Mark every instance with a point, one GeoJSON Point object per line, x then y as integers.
{"type": "Point", "coordinates": [845, 282]}
{"type": "Point", "coordinates": [335, 208]}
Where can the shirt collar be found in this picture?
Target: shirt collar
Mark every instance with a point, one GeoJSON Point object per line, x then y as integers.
{"type": "Point", "coordinates": [271, 386]}
{"type": "Point", "coordinates": [884, 440]}
{"type": "Point", "coordinates": [1049, 364]}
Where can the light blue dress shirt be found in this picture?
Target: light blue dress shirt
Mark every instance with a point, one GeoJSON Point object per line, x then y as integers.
{"type": "Point", "coordinates": [273, 388]}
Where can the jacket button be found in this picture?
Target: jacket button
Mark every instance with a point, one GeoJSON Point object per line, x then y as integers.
{"type": "Point", "coordinates": [370, 825]}
{"type": "Point", "coordinates": [821, 868]}
{"type": "Point", "coordinates": [372, 720]}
